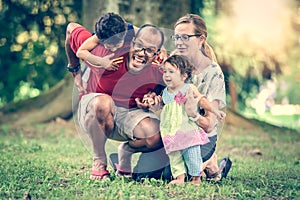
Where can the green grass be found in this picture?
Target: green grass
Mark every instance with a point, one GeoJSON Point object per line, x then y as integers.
{"type": "Point", "coordinates": [288, 121]}
{"type": "Point", "coordinates": [50, 162]}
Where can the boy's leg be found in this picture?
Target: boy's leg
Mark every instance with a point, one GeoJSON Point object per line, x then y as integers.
{"type": "Point", "coordinates": [125, 151]}
{"type": "Point", "coordinates": [124, 154]}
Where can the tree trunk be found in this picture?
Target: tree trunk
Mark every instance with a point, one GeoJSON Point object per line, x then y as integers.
{"type": "Point", "coordinates": [57, 102]}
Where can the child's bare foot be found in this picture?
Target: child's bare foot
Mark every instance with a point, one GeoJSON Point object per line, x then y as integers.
{"type": "Point", "coordinates": [195, 180]}
{"type": "Point", "coordinates": [179, 180]}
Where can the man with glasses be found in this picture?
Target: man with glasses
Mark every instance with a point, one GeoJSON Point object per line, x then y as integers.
{"type": "Point", "coordinates": [110, 111]}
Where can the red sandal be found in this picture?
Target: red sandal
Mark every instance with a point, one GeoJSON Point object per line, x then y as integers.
{"type": "Point", "coordinates": [103, 174]}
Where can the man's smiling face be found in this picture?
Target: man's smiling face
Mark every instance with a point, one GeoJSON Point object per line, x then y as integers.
{"type": "Point", "coordinates": [143, 50]}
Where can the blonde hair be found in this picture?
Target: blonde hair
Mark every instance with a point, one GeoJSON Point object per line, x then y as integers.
{"type": "Point", "coordinates": [199, 28]}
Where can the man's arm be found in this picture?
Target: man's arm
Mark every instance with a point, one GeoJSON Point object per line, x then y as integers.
{"type": "Point", "coordinates": [74, 62]}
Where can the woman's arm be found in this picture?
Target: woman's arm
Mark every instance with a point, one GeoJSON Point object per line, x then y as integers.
{"type": "Point", "coordinates": [207, 105]}
{"type": "Point", "coordinates": [206, 122]}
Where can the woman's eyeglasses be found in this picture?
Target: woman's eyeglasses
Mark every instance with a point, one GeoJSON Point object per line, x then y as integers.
{"type": "Point", "coordinates": [184, 37]}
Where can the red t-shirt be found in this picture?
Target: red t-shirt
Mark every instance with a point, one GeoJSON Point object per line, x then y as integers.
{"type": "Point", "coordinates": [77, 37]}
{"type": "Point", "coordinates": [122, 86]}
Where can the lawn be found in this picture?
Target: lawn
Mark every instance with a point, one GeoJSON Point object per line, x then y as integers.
{"type": "Point", "coordinates": [49, 161]}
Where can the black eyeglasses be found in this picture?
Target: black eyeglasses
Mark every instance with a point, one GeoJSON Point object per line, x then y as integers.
{"type": "Point", "coordinates": [150, 52]}
{"type": "Point", "coordinates": [184, 37]}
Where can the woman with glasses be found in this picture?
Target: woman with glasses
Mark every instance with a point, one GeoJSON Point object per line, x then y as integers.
{"type": "Point", "coordinates": [190, 40]}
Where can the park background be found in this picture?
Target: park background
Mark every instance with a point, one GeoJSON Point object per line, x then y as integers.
{"type": "Point", "coordinates": [256, 44]}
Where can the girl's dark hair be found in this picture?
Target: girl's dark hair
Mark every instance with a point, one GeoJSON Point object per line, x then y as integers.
{"type": "Point", "coordinates": [110, 28]}
{"type": "Point", "coordinates": [182, 63]}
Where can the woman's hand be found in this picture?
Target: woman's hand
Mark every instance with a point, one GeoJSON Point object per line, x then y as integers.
{"type": "Point", "coordinates": [220, 114]}
{"type": "Point", "coordinates": [191, 104]}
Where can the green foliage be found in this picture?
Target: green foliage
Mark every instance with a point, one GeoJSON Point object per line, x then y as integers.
{"type": "Point", "coordinates": [32, 45]}
{"type": "Point", "coordinates": [48, 162]}
{"type": "Point", "coordinates": [251, 49]}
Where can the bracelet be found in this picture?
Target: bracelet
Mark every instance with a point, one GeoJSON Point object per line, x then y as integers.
{"type": "Point", "coordinates": [194, 119]}
{"type": "Point", "coordinates": [73, 69]}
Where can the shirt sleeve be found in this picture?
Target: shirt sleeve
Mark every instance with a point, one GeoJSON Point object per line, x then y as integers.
{"type": "Point", "coordinates": [216, 90]}
{"type": "Point", "coordinates": [211, 84]}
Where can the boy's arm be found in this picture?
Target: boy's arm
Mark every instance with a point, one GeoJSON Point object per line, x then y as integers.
{"type": "Point", "coordinates": [88, 45]}
{"type": "Point", "coordinates": [96, 61]}
{"type": "Point", "coordinates": [135, 28]}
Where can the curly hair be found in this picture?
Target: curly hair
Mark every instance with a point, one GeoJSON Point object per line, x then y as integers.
{"type": "Point", "coordinates": [110, 28]}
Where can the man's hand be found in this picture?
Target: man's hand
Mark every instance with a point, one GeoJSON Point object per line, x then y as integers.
{"type": "Point", "coordinates": [78, 82]}
{"type": "Point", "coordinates": [111, 65]}
{"type": "Point", "coordinates": [150, 101]}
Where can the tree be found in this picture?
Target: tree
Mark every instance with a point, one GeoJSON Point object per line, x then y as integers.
{"type": "Point", "coordinates": [31, 42]}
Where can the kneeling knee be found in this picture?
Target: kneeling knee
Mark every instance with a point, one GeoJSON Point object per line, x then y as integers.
{"type": "Point", "coordinates": [153, 141]}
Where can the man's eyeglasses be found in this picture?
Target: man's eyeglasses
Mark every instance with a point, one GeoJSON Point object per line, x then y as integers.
{"type": "Point", "coordinates": [150, 52]}
{"type": "Point", "coordinates": [184, 37]}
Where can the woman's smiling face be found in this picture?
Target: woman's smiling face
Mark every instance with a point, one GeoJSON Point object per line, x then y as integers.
{"type": "Point", "coordinates": [192, 45]}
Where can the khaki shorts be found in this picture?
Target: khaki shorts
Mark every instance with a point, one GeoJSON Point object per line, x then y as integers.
{"type": "Point", "coordinates": [125, 120]}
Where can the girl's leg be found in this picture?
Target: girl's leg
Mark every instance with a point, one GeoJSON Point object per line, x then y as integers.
{"type": "Point", "coordinates": [193, 162]}
{"type": "Point", "coordinates": [177, 167]}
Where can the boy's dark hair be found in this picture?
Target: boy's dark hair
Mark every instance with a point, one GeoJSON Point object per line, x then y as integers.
{"type": "Point", "coordinates": [110, 28]}
{"type": "Point", "coordinates": [154, 30]}
{"type": "Point", "coordinates": [182, 63]}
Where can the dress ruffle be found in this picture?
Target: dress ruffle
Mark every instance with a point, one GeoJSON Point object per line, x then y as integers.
{"type": "Point", "coordinates": [184, 139]}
